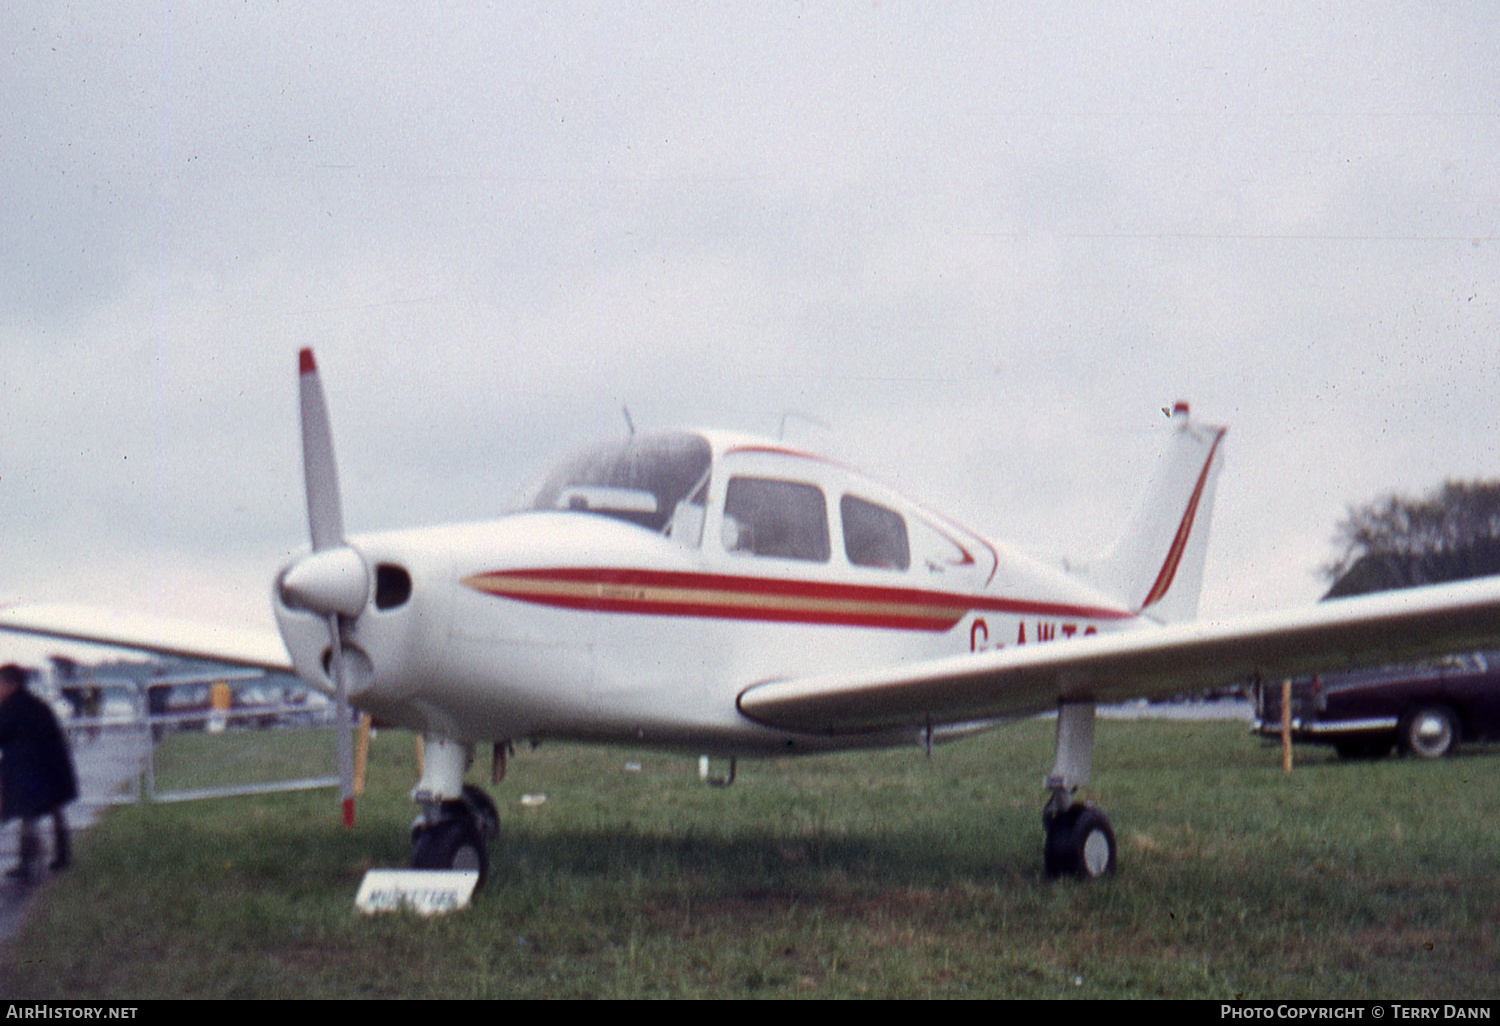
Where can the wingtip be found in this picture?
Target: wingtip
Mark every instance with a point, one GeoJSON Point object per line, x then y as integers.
{"type": "Point", "coordinates": [305, 362]}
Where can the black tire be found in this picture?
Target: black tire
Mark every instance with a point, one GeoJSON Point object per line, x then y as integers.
{"type": "Point", "coordinates": [482, 808]}
{"type": "Point", "coordinates": [1430, 732]}
{"type": "Point", "coordinates": [451, 844]}
{"type": "Point", "coordinates": [1080, 843]}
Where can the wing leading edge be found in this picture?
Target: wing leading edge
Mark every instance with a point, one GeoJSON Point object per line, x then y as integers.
{"type": "Point", "coordinates": [1148, 663]}
{"type": "Point", "coordinates": [233, 645]}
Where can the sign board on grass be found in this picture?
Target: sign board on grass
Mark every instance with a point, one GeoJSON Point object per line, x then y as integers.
{"type": "Point", "coordinates": [425, 891]}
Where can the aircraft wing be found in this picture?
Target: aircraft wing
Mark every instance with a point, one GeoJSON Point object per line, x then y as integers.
{"type": "Point", "coordinates": [234, 645]}
{"type": "Point", "coordinates": [1023, 680]}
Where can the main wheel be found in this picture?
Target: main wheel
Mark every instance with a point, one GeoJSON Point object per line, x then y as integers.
{"type": "Point", "coordinates": [451, 844]}
{"type": "Point", "coordinates": [1430, 732]}
{"type": "Point", "coordinates": [1080, 843]}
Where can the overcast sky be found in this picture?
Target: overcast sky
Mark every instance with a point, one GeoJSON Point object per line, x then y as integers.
{"type": "Point", "coordinates": [974, 248]}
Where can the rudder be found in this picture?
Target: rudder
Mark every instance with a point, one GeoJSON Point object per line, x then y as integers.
{"type": "Point", "coordinates": [1157, 565]}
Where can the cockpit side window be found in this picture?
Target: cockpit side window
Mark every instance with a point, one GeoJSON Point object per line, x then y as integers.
{"type": "Point", "coordinates": [686, 525]}
{"type": "Point", "coordinates": [873, 535]}
{"type": "Point", "coordinates": [784, 519]}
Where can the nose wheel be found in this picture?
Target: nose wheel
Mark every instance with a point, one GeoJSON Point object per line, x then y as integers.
{"type": "Point", "coordinates": [455, 834]}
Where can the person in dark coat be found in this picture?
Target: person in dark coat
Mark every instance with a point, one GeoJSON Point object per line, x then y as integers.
{"type": "Point", "coordinates": [36, 770]}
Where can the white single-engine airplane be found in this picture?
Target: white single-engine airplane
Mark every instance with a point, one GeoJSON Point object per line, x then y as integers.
{"type": "Point", "coordinates": [723, 595]}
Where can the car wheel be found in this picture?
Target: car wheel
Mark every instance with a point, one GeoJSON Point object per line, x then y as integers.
{"type": "Point", "coordinates": [1430, 732]}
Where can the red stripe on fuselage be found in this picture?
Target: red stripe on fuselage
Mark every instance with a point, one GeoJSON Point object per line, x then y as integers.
{"type": "Point", "coordinates": [722, 596]}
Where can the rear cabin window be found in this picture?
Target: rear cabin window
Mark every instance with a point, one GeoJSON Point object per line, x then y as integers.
{"type": "Point", "coordinates": [873, 535]}
{"type": "Point", "coordinates": [785, 519]}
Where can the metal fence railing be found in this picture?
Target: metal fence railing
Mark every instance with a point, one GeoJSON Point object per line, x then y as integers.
{"type": "Point", "coordinates": [187, 756]}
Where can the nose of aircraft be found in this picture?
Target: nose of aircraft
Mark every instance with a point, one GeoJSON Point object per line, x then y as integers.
{"type": "Point", "coordinates": [311, 590]}
{"type": "Point", "coordinates": [334, 580]}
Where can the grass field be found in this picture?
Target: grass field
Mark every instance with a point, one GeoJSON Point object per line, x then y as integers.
{"type": "Point", "coordinates": [860, 875]}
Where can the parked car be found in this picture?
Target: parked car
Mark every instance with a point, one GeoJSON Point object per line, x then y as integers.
{"type": "Point", "coordinates": [1426, 710]}
{"type": "Point", "coordinates": [275, 701]}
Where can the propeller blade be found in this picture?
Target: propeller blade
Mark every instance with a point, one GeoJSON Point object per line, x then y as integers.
{"type": "Point", "coordinates": [341, 711]}
{"type": "Point", "coordinates": [325, 515]}
{"type": "Point", "coordinates": [330, 582]}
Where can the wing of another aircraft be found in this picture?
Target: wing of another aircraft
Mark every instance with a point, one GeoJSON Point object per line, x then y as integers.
{"type": "Point", "coordinates": [1027, 679]}
{"type": "Point", "coordinates": [233, 645]}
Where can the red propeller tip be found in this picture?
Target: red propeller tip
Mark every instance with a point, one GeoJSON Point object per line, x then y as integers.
{"type": "Point", "coordinates": [305, 362]}
{"type": "Point", "coordinates": [349, 812]}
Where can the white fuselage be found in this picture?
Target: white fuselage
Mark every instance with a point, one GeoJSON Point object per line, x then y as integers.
{"type": "Point", "coordinates": [582, 623]}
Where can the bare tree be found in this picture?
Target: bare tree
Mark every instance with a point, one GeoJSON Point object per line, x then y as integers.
{"type": "Point", "coordinates": [1396, 542]}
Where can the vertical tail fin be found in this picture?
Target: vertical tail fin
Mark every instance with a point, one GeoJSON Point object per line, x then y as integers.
{"type": "Point", "coordinates": [1157, 565]}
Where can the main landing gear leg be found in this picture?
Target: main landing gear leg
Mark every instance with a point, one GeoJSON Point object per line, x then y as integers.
{"type": "Point", "coordinates": [1080, 842]}
{"type": "Point", "coordinates": [456, 819]}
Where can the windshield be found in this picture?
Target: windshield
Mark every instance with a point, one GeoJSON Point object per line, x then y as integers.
{"type": "Point", "coordinates": [640, 481]}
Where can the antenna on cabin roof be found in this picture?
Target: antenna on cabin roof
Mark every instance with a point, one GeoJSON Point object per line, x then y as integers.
{"type": "Point", "coordinates": [628, 422]}
{"type": "Point", "coordinates": [781, 434]}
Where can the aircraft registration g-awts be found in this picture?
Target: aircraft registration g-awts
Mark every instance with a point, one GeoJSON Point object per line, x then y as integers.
{"type": "Point", "coordinates": [718, 594]}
